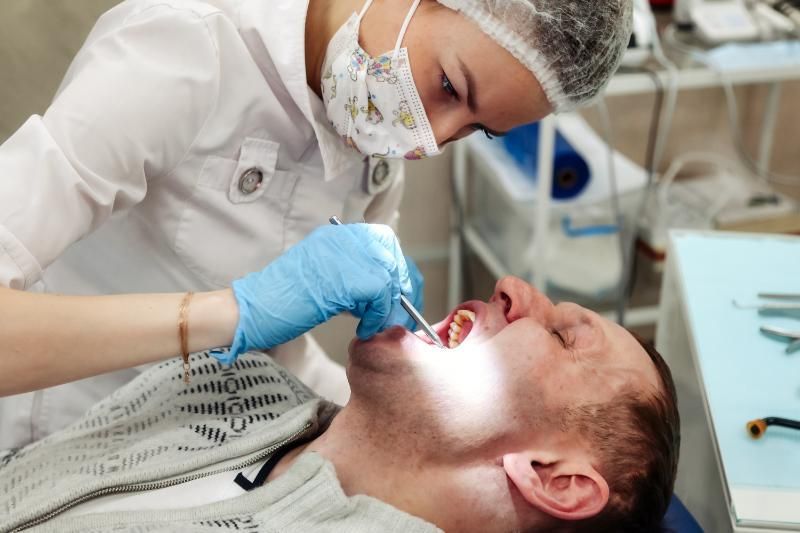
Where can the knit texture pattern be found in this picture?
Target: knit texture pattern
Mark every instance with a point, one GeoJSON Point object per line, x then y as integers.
{"type": "Point", "coordinates": [137, 433]}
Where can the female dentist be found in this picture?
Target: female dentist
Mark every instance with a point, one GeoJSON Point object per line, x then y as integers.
{"type": "Point", "coordinates": [193, 142]}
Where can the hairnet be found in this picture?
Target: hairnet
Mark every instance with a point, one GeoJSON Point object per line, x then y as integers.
{"type": "Point", "coordinates": [572, 47]}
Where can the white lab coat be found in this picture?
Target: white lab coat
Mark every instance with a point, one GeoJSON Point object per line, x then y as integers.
{"type": "Point", "coordinates": [132, 179]}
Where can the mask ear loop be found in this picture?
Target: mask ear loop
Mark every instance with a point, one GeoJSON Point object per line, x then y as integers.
{"type": "Point", "coordinates": [403, 29]}
{"type": "Point", "coordinates": [364, 10]}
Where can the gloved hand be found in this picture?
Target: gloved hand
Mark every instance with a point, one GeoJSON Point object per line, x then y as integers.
{"type": "Point", "coordinates": [399, 315]}
{"type": "Point", "coordinates": [355, 267]}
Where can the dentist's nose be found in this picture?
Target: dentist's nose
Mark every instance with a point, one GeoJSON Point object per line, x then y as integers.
{"type": "Point", "coordinates": [520, 299]}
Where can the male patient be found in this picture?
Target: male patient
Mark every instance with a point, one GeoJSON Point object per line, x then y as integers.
{"type": "Point", "coordinates": [542, 418]}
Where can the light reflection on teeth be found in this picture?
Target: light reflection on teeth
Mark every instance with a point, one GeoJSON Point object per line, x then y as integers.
{"type": "Point", "coordinates": [461, 316]}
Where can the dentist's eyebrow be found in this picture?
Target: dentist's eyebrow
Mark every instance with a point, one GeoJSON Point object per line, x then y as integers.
{"type": "Point", "coordinates": [471, 96]}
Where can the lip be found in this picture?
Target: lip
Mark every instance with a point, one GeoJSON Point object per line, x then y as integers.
{"type": "Point", "coordinates": [442, 327]}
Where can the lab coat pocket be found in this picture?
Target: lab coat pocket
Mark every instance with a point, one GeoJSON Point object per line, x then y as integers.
{"type": "Point", "coordinates": [233, 223]}
{"type": "Point", "coordinates": [254, 172]}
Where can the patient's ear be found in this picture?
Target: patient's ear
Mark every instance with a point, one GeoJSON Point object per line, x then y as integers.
{"type": "Point", "coordinates": [564, 489]}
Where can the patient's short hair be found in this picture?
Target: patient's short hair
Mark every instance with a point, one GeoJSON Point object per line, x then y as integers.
{"type": "Point", "coordinates": [638, 440]}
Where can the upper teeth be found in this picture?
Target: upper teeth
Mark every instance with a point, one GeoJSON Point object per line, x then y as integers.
{"type": "Point", "coordinates": [460, 317]}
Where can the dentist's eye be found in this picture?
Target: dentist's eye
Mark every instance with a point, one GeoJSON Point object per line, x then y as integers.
{"type": "Point", "coordinates": [448, 87]}
{"type": "Point", "coordinates": [484, 130]}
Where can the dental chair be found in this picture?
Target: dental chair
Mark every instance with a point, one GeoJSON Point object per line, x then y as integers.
{"type": "Point", "coordinates": [678, 519]}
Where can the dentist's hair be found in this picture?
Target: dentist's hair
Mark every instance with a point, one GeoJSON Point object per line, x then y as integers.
{"type": "Point", "coordinates": [572, 48]}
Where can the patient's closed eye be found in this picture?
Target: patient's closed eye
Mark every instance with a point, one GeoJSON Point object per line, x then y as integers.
{"type": "Point", "coordinates": [560, 337]}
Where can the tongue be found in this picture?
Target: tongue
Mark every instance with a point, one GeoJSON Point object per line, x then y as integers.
{"type": "Point", "coordinates": [465, 329]}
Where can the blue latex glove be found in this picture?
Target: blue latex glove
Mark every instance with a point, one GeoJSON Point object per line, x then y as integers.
{"type": "Point", "coordinates": [355, 267]}
{"type": "Point", "coordinates": [399, 315]}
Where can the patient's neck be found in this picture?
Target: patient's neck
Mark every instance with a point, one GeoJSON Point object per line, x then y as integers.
{"type": "Point", "coordinates": [369, 460]}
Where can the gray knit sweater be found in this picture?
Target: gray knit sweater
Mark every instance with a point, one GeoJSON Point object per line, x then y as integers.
{"type": "Point", "coordinates": [157, 431]}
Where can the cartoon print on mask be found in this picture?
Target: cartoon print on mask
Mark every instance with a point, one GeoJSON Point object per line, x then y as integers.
{"type": "Point", "coordinates": [329, 76]}
{"type": "Point", "coordinates": [404, 116]}
{"type": "Point", "coordinates": [374, 115]}
{"type": "Point", "coordinates": [358, 61]}
{"type": "Point", "coordinates": [385, 93]}
{"type": "Point", "coordinates": [415, 154]}
{"type": "Point", "coordinates": [381, 69]}
{"type": "Point", "coordinates": [352, 107]}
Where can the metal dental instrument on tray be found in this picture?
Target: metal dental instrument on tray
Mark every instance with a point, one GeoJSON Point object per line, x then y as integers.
{"type": "Point", "coordinates": [407, 305]}
{"type": "Point", "coordinates": [777, 303]}
{"type": "Point", "coordinates": [780, 302]}
{"type": "Point", "coordinates": [784, 334]}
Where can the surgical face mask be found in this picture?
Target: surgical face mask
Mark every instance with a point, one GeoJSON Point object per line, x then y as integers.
{"type": "Point", "coordinates": [372, 102]}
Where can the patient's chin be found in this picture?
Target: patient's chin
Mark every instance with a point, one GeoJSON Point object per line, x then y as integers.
{"type": "Point", "coordinates": [386, 352]}
{"type": "Point", "coordinates": [388, 340]}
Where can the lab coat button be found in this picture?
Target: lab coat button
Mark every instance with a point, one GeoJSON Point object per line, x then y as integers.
{"type": "Point", "coordinates": [380, 173]}
{"type": "Point", "coordinates": [250, 180]}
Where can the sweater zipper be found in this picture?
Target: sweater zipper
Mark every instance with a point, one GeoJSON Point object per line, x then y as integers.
{"type": "Point", "coordinates": [155, 485]}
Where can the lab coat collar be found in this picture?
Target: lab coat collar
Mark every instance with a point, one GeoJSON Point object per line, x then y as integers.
{"type": "Point", "coordinates": [280, 24]}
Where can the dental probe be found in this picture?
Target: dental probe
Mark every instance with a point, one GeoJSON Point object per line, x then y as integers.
{"type": "Point", "coordinates": [408, 306]}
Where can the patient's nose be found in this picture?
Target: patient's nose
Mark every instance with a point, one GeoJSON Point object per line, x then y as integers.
{"type": "Point", "coordinates": [520, 299]}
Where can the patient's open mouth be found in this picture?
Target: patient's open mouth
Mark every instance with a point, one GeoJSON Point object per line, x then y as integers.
{"type": "Point", "coordinates": [460, 327]}
{"type": "Point", "coordinates": [454, 328]}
